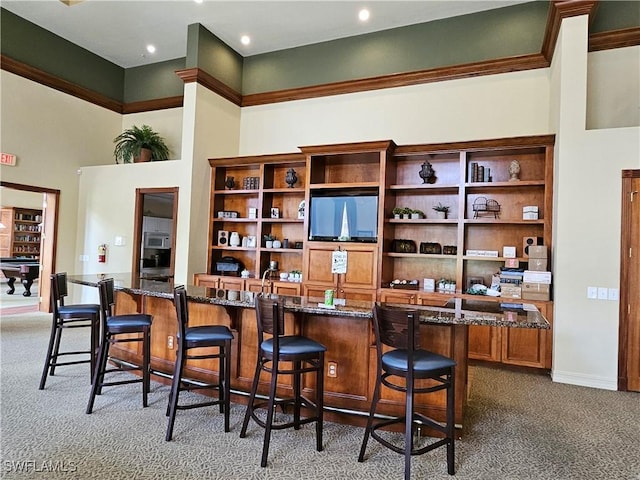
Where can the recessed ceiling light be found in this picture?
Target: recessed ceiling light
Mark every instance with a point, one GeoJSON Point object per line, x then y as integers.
{"type": "Point", "coordinates": [151, 49]}
{"type": "Point", "coordinates": [363, 15]}
{"type": "Point", "coordinates": [198, 1]}
{"type": "Point", "coordinates": [245, 39]}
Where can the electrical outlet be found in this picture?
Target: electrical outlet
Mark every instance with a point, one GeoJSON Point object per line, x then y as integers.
{"type": "Point", "coordinates": [170, 342]}
{"type": "Point", "coordinates": [613, 294]}
{"type": "Point", "coordinates": [332, 370]}
{"type": "Point", "coordinates": [603, 293]}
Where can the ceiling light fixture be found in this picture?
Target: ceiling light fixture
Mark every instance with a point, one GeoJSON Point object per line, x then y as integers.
{"type": "Point", "coordinates": [363, 15]}
{"type": "Point", "coordinates": [198, 1]}
{"type": "Point", "coordinates": [151, 49]}
{"type": "Point", "coordinates": [245, 39]}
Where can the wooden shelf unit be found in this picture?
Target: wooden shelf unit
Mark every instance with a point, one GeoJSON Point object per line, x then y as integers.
{"type": "Point", "coordinates": [393, 173]}
{"type": "Point", "coordinates": [21, 236]}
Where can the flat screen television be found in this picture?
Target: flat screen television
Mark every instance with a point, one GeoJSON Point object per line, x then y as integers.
{"type": "Point", "coordinates": [351, 217]}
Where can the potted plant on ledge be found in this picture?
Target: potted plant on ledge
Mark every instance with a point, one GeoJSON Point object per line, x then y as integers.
{"type": "Point", "coordinates": [140, 144]}
{"type": "Point", "coordinates": [441, 210]}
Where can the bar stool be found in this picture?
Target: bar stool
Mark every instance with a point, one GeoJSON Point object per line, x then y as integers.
{"type": "Point", "coordinates": [113, 326]}
{"type": "Point", "coordinates": [306, 356]}
{"type": "Point", "coordinates": [69, 316]}
{"type": "Point", "coordinates": [400, 329]}
{"type": "Point", "coordinates": [196, 338]}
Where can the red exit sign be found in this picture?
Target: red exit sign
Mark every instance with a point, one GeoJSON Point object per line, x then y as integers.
{"type": "Point", "coordinates": [7, 159]}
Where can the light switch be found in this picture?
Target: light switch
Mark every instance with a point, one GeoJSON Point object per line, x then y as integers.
{"type": "Point", "coordinates": [603, 293]}
{"type": "Point", "coordinates": [592, 292]}
{"type": "Point", "coordinates": [118, 241]}
{"type": "Point", "coordinates": [613, 294]}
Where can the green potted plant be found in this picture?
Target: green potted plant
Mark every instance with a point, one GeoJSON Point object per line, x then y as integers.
{"type": "Point", "coordinates": [140, 144]}
{"type": "Point", "coordinates": [442, 210]}
{"type": "Point", "coordinates": [417, 214]}
{"type": "Point", "coordinates": [397, 212]}
{"type": "Point", "coordinates": [406, 213]}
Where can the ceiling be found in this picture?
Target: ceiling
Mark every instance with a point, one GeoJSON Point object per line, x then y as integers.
{"type": "Point", "coordinates": [119, 30]}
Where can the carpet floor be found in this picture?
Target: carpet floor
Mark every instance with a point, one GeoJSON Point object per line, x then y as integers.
{"type": "Point", "coordinates": [518, 426]}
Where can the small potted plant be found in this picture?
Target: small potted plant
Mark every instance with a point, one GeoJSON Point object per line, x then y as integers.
{"type": "Point", "coordinates": [417, 214]}
{"type": "Point", "coordinates": [406, 213]}
{"type": "Point", "coordinates": [268, 240]}
{"type": "Point", "coordinates": [441, 210]}
{"type": "Point", "coordinates": [397, 212]}
{"type": "Point", "coordinates": [140, 144]}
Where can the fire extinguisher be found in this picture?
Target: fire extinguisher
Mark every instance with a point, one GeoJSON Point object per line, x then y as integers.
{"type": "Point", "coordinates": [102, 253]}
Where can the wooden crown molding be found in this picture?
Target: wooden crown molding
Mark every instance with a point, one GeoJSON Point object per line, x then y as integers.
{"type": "Point", "coordinates": [558, 10]}
{"type": "Point", "coordinates": [44, 78]}
{"type": "Point", "coordinates": [151, 105]}
{"type": "Point", "coordinates": [629, 37]}
{"type": "Point", "coordinates": [491, 67]}
{"type": "Point", "coordinates": [189, 75]}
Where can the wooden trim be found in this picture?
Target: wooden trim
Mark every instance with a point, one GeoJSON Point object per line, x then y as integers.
{"type": "Point", "coordinates": [49, 80]}
{"type": "Point", "coordinates": [490, 67]}
{"type": "Point", "coordinates": [189, 75]}
{"type": "Point", "coordinates": [559, 10]}
{"type": "Point", "coordinates": [476, 145]}
{"type": "Point", "coordinates": [358, 147]}
{"type": "Point", "coordinates": [29, 188]}
{"type": "Point", "coordinates": [625, 244]}
{"type": "Point", "coordinates": [628, 37]}
{"type": "Point", "coordinates": [151, 105]}
{"type": "Point", "coordinates": [259, 159]}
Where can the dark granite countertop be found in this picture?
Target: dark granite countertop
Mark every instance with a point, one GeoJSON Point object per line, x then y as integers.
{"type": "Point", "coordinates": [457, 311]}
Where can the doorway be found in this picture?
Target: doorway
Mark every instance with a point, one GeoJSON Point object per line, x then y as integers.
{"type": "Point", "coordinates": [49, 231]}
{"type": "Point", "coordinates": [629, 332]}
{"type": "Point", "coordinates": [156, 214]}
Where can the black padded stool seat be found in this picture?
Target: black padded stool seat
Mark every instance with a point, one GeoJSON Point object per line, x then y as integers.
{"type": "Point", "coordinates": [112, 327]}
{"type": "Point", "coordinates": [400, 329]}
{"type": "Point", "coordinates": [69, 316]}
{"type": "Point", "coordinates": [199, 337]}
{"type": "Point", "coordinates": [305, 355]}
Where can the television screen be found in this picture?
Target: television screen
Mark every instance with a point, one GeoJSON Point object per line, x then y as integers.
{"type": "Point", "coordinates": [344, 217]}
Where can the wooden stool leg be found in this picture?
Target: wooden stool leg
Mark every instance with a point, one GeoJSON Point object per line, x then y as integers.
{"type": "Point", "coordinates": [269, 422]}
{"type": "Point", "coordinates": [249, 412]}
{"type": "Point", "coordinates": [320, 401]}
{"type": "Point", "coordinates": [47, 361]}
{"type": "Point", "coordinates": [174, 395]}
{"type": "Point", "coordinates": [226, 388]}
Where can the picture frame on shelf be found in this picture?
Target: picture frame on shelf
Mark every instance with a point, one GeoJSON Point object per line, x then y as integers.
{"type": "Point", "coordinates": [275, 212]}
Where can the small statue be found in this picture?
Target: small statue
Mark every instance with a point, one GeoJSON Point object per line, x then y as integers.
{"type": "Point", "coordinates": [514, 170]}
{"type": "Point", "coordinates": [291, 177]}
{"type": "Point", "coordinates": [230, 183]}
{"type": "Point", "coordinates": [426, 172]}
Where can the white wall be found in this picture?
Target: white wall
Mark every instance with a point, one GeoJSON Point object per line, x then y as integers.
{"type": "Point", "coordinates": [167, 122]}
{"type": "Point", "coordinates": [587, 226]}
{"type": "Point", "coordinates": [496, 106]}
{"type": "Point", "coordinates": [53, 134]}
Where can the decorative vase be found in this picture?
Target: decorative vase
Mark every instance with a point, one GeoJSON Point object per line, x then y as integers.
{"type": "Point", "coordinates": [234, 239]}
{"type": "Point", "coordinates": [291, 177]}
{"type": "Point", "coordinates": [277, 244]}
{"type": "Point", "coordinates": [426, 172]}
{"type": "Point", "coordinates": [230, 182]}
{"type": "Point", "coordinates": [268, 243]}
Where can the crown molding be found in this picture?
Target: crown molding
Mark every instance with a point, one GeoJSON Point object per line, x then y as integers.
{"type": "Point", "coordinates": [189, 75]}
{"type": "Point", "coordinates": [628, 37]}
{"type": "Point", "coordinates": [559, 10]}
{"type": "Point", "coordinates": [151, 105]}
{"type": "Point", "coordinates": [44, 78]}
{"type": "Point", "coordinates": [491, 67]}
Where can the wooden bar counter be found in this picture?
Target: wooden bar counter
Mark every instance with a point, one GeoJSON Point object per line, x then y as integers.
{"type": "Point", "coordinates": [346, 331]}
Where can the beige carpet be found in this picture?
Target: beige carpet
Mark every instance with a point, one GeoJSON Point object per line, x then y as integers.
{"type": "Point", "coordinates": [519, 426]}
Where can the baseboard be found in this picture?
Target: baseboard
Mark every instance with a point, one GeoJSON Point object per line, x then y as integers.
{"type": "Point", "coordinates": [583, 380]}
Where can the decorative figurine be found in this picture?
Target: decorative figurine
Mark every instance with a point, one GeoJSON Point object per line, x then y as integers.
{"type": "Point", "coordinates": [426, 172]}
{"type": "Point", "coordinates": [291, 177]}
{"type": "Point", "coordinates": [514, 170]}
{"type": "Point", "coordinates": [230, 183]}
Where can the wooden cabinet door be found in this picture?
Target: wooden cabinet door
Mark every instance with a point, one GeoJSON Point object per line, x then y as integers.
{"type": "Point", "coordinates": [204, 280]}
{"type": "Point", "coordinates": [485, 343]}
{"type": "Point", "coordinates": [285, 288]}
{"type": "Point", "coordinates": [318, 265]}
{"type": "Point", "coordinates": [366, 294]}
{"type": "Point", "coordinates": [231, 283]}
{"type": "Point", "coordinates": [362, 271]}
{"type": "Point", "coordinates": [524, 346]}
{"type": "Point", "coordinates": [398, 296]}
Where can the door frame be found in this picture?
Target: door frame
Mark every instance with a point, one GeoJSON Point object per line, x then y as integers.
{"type": "Point", "coordinates": [138, 219]}
{"type": "Point", "coordinates": [49, 238]}
{"type": "Point", "coordinates": [628, 195]}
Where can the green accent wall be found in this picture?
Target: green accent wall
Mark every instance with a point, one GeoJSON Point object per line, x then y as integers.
{"type": "Point", "coordinates": [157, 80]}
{"type": "Point", "coordinates": [28, 43]}
{"type": "Point", "coordinates": [209, 53]}
{"type": "Point", "coordinates": [500, 33]}
{"type": "Point", "coordinates": [615, 15]}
